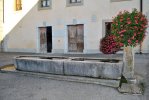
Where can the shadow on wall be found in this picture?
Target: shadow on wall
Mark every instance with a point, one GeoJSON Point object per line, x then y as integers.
{"type": "Point", "coordinates": [15, 34]}
{"type": "Point", "coordinates": [2, 46]}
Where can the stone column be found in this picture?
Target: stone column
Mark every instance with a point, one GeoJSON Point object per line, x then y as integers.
{"type": "Point", "coordinates": [128, 59]}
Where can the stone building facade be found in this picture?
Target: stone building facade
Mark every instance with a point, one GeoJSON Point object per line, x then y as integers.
{"type": "Point", "coordinates": [62, 26]}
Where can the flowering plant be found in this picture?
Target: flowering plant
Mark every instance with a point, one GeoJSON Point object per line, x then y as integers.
{"type": "Point", "coordinates": [108, 45]}
{"type": "Point", "coordinates": [129, 28]}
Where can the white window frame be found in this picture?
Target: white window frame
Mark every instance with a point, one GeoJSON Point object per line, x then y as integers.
{"type": "Point", "coordinates": [44, 4]}
{"type": "Point", "coordinates": [74, 3]}
{"type": "Point", "coordinates": [119, 0]}
{"type": "Point", "coordinates": [104, 26]}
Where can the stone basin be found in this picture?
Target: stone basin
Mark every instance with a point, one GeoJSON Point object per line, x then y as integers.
{"type": "Point", "coordinates": [52, 65]}
{"type": "Point", "coordinates": [72, 66]}
{"type": "Point", "coordinates": [93, 67]}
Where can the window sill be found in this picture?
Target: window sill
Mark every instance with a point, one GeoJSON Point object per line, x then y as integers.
{"type": "Point", "coordinates": [68, 4]}
{"type": "Point", "coordinates": [119, 0]}
{"type": "Point", "coordinates": [44, 8]}
{"type": "Point", "coordinates": [74, 4]}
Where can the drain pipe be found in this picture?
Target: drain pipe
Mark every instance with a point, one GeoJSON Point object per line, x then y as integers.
{"type": "Point", "coordinates": [141, 10]}
{"type": "Point", "coordinates": [141, 5]}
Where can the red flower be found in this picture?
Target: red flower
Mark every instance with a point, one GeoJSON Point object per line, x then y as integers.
{"type": "Point", "coordinates": [121, 44]}
{"type": "Point", "coordinates": [129, 22]}
{"type": "Point", "coordinates": [136, 22]}
{"type": "Point", "coordinates": [121, 20]}
{"type": "Point", "coordinates": [130, 31]}
{"type": "Point", "coordinates": [137, 41]}
{"type": "Point", "coordinates": [108, 45]}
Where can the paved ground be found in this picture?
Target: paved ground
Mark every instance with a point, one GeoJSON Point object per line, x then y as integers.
{"type": "Point", "coordinates": [14, 86]}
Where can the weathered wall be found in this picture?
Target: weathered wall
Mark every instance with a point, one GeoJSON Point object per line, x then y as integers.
{"type": "Point", "coordinates": [23, 35]}
{"type": "Point", "coordinates": [17, 37]}
{"type": "Point", "coordinates": [145, 9]}
{"type": "Point", "coordinates": [1, 19]}
{"type": "Point", "coordinates": [1, 25]}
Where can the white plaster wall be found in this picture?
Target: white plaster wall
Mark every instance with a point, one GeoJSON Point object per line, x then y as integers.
{"type": "Point", "coordinates": [1, 20]}
{"type": "Point", "coordinates": [129, 5]}
{"type": "Point", "coordinates": [145, 44]}
{"type": "Point", "coordinates": [16, 36]}
{"type": "Point", "coordinates": [23, 32]}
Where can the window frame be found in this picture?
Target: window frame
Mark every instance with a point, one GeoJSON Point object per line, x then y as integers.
{"type": "Point", "coordinates": [119, 0]}
{"type": "Point", "coordinates": [69, 3]}
{"type": "Point", "coordinates": [18, 5]}
{"type": "Point", "coordinates": [75, 1]}
{"type": "Point", "coordinates": [104, 28]}
{"type": "Point", "coordinates": [40, 7]}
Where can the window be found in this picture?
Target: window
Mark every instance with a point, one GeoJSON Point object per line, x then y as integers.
{"type": "Point", "coordinates": [18, 5]}
{"type": "Point", "coordinates": [108, 28]}
{"type": "Point", "coordinates": [44, 4]}
{"type": "Point", "coordinates": [74, 2]}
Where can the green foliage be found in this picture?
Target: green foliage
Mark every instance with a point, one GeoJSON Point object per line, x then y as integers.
{"type": "Point", "coordinates": [129, 28]}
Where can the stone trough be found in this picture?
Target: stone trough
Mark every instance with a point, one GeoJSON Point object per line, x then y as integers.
{"type": "Point", "coordinates": [51, 65]}
{"type": "Point", "coordinates": [95, 68]}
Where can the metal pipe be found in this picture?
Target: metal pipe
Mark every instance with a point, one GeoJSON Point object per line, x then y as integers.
{"type": "Point", "coordinates": [141, 10]}
{"type": "Point", "coordinates": [141, 5]}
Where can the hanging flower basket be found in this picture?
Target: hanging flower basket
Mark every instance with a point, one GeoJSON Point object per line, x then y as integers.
{"type": "Point", "coordinates": [129, 27]}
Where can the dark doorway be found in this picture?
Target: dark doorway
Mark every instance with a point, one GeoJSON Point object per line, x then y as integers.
{"type": "Point", "coordinates": [49, 39]}
{"type": "Point", "coordinates": [108, 26]}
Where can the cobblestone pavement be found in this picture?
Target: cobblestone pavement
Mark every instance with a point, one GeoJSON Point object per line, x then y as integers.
{"type": "Point", "coordinates": [14, 86]}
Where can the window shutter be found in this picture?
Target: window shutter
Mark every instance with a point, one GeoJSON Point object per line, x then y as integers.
{"type": "Point", "coordinates": [18, 5]}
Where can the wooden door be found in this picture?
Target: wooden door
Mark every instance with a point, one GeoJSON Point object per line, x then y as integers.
{"type": "Point", "coordinates": [43, 39]}
{"type": "Point", "coordinates": [75, 38]}
{"type": "Point", "coordinates": [80, 38]}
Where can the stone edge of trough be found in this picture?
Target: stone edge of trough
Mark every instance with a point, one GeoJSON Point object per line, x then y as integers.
{"type": "Point", "coordinates": [104, 82]}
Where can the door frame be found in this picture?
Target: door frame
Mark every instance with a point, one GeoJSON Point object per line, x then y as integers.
{"type": "Point", "coordinates": [38, 38]}
{"type": "Point", "coordinates": [67, 37]}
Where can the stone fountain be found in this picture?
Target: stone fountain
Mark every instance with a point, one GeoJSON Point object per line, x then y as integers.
{"type": "Point", "coordinates": [101, 71]}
